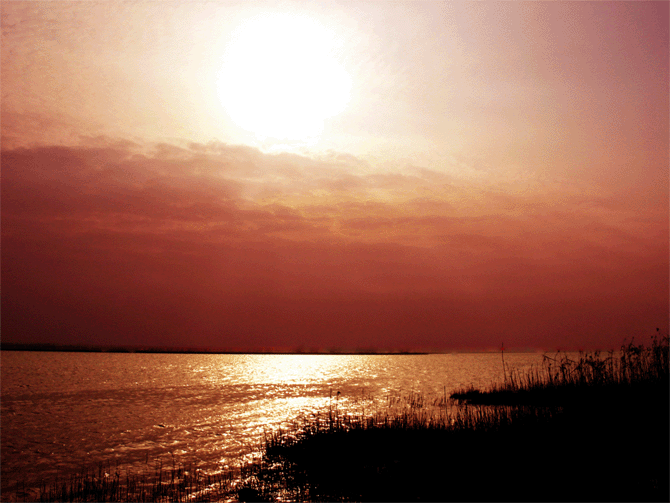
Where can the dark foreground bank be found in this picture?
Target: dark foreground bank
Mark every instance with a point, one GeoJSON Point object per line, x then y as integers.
{"type": "Point", "coordinates": [595, 429]}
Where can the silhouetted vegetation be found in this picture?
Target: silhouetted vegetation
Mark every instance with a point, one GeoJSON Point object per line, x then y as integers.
{"type": "Point", "coordinates": [163, 483]}
{"type": "Point", "coordinates": [595, 429]}
{"type": "Point", "coordinates": [635, 372]}
{"type": "Point", "coordinates": [590, 429]}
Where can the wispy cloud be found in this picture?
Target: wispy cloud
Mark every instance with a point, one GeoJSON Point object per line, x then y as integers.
{"type": "Point", "coordinates": [121, 242]}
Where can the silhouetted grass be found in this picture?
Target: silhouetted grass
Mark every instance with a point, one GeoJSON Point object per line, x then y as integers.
{"type": "Point", "coordinates": [595, 429]}
{"type": "Point", "coordinates": [633, 373]}
{"type": "Point", "coordinates": [165, 483]}
{"type": "Point", "coordinates": [387, 457]}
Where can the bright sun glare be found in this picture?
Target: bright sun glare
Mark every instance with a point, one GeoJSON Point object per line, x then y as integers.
{"type": "Point", "coordinates": [280, 78]}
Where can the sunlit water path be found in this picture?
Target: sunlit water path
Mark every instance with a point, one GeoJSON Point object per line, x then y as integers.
{"type": "Point", "coordinates": [61, 411]}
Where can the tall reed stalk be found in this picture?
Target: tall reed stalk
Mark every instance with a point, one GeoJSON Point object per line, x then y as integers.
{"type": "Point", "coordinates": [633, 368]}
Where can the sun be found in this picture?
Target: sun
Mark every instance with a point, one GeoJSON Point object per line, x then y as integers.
{"type": "Point", "coordinates": [280, 77]}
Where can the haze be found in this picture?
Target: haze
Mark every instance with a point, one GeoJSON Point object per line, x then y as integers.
{"type": "Point", "coordinates": [482, 172]}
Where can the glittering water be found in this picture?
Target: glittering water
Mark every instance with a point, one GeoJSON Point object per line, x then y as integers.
{"type": "Point", "coordinates": [64, 410]}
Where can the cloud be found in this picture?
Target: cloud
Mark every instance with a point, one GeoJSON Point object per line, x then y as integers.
{"type": "Point", "coordinates": [115, 242]}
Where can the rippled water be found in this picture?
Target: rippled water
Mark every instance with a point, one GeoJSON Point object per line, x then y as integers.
{"type": "Point", "coordinates": [63, 410]}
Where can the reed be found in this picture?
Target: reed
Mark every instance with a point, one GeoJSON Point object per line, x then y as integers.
{"type": "Point", "coordinates": [165, 483]}
{"type": "Point", "coordinates": [399, 456]}
{"type": "Point", "coordinates": [635, 371]}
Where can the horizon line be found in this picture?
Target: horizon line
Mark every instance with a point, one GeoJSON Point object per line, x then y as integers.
{"type": "Point", "coordinates": [82, 348]}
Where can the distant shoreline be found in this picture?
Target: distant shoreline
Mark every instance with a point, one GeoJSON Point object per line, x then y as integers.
{"type": "Point", "coordinates": [64, 348]}
{"type": "Point", "coordinates": [67, 348]}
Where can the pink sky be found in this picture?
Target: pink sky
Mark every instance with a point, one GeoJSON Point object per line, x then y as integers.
{"type": "Point", "coordinates": [499, 173]}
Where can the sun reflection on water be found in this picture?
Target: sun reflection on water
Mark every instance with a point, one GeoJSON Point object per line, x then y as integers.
{"type": "Point", "coordinates": [300, 369]}
{"type": "Point", "coordinates": [286, 387]}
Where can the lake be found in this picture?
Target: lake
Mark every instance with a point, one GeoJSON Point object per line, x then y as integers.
{"type": "Point", "coordinates": [61, 410]}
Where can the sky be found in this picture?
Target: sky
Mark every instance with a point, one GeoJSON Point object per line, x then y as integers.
{"type": "Point", "coordinates": [335, 176]}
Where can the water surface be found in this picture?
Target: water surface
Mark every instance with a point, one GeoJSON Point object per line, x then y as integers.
{"type": "Point", "coordinates": [63, 410]}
